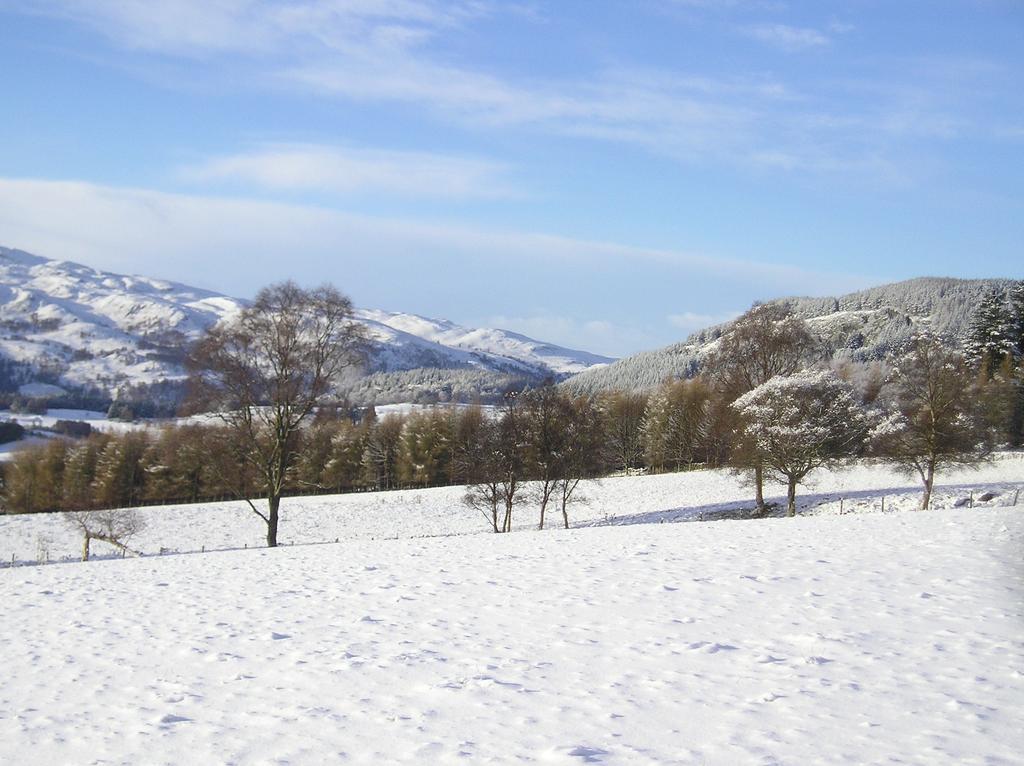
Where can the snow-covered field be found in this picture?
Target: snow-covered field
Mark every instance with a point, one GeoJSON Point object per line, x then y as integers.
{"type": "Point", "coordinates": [866, 637]}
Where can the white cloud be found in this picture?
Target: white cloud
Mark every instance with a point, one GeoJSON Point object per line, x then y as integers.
{"type": "Point", "coordinates": [258, 27]}
{"type": "Point", "coordinates": [303, 167]}
{"type": "Point", "coordinates": [460, 272]}
{"type": "Point", "coordinates": [395, 51]}
{"type": "Point", "coordinates": [788, 38]}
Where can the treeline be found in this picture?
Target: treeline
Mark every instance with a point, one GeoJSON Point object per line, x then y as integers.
{"type": "Point", "coordinates": [766, 403]}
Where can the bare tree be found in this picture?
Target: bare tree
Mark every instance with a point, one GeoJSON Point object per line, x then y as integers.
{"type": "Point", "coordinates": [480, 464]}
{"type": "Point", "coordinates": [800, 422]}
{"type": "Point", "coordinates": [115, 527]}
{"type": "Point", "coordinates": [264, 372]}
{"type": "Point", "coordinates": [934, 418]}
{"type": "Point", "coordinates": [624, 416]}
{"type": "Point", "coordinates": [584, 441]}
{"type": "Point", "coordinates": [547, 415]}
{"type": "Point", "coordinates": [766, 341]}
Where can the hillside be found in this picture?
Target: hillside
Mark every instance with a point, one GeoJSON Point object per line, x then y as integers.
{"type": "Point", "coordinates": [864, 326]}
{"type": "Point", "coordinates": [70, 325]}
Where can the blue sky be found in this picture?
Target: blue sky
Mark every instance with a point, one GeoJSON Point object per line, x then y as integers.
{"type": "Point", "coordinates": [608, 174]}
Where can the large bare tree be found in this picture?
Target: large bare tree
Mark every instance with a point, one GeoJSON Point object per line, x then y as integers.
{"type": "Point", "coordinates": [264, 372]}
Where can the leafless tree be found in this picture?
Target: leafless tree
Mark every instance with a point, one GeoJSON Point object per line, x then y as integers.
{"type": "Point", "coordinates": [115, 527]}
{"type": "Point", "coordinates": [935, 419]}
{"type": "Point", "coordinates": [264, 372]}
{"type": "Point", "coordinates": [584, 442]}
{"type": "Point", "coordinates": [547, 414]}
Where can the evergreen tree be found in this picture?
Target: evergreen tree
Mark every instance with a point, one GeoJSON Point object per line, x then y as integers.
{"type": "Point", "coordinates": [991, 334]}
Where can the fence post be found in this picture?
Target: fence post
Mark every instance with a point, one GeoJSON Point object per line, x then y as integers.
{"type": "Point", "coordinates": [883, 503]}
{"type": "Point", "coordinates": [1015, 496]}
{"type": "Point", "coordinates": [970, 500]}
{"type": "Point", "coordinates": [841, 506]}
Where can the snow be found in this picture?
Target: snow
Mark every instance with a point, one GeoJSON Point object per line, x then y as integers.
{"type": "Point", "coordinates": [864, 638]}
{"type": "Point", "coordinates": [439, 512]}
{"type": "Point", "coordinates": [108, 329]}
{"type": "Point", "coordinates": [40, 390]}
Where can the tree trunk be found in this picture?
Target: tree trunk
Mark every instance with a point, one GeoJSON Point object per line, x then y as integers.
{"type": "Point", "coordinates": [85, 548]}
{"type": "Point", "coordinates": [274, 503]}
{"type": "Point", "coordinates": [929, 481]}
{"type": "Point", "coordinates": [494, 516]}
{"type": "Point", "coordinates": [565, 515]}
{"type": "Point", "coordinates": [759, 489]}
{"type": "Point", "coordinates": [791, 498]}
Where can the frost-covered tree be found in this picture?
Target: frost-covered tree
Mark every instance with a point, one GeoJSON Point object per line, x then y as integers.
{"type": "Point", "coordinates": [992, 332]}
{"type": "Point", "coordinates": [934, 418]}
{"type": "Point", "coordinates": [796, 423]}
{"type": "Point", "coordinates": [765, 342]}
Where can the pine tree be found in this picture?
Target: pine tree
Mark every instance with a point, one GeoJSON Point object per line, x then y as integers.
{"type": "Point", "coordinates": [991, 334]}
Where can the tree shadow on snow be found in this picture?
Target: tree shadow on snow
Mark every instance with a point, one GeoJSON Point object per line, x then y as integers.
{"type": "Point", "coordinates": [776, 505]}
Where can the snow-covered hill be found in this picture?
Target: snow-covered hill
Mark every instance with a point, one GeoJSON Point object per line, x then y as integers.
{"type": "Point", "coordinates": [70, 324]}
{"type": "Point", "coordinates": [868, 325]}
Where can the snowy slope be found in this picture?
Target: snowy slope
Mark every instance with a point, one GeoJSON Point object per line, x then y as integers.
{"type": "Point", "coordinates": [864, 326]}
{"type": "Point", "coordinates": [91, 328]}
{"type": "Point", "coordinates": [871, 638]}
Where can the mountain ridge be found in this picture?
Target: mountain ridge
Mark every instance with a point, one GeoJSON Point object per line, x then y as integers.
{"type": "Point", "coordinates": [66, 323]}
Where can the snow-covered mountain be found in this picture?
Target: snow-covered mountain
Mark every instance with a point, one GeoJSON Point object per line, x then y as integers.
{"type": "Point", "coordinates": [864, 326]}
{"type": "Point", "coordinates": [61, 322]}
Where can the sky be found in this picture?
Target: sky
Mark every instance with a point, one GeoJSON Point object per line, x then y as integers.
{"type": "Point", "coordinates": [605, 174]}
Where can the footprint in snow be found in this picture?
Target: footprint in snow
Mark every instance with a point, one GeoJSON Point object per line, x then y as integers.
{"type": "Point", "coordinates": [279, 636]}
{"type": "Point", "coordinates": [588, 754]}
{"type": "Point", "coordinates": [170, 719]}
{"type": "Point", "coordinates": [817, 660]}
{"type": "Point", "coordinates": [712, 648]}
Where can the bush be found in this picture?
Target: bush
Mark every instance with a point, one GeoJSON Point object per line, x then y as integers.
{"type": "Point", "coordinates": [10, 431]}
{"type": "Point", "coordinates": [74, 428]}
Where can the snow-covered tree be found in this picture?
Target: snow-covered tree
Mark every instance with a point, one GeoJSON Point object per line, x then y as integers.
{"type": "Point", "coordinates": [796, 423]}
{"type": "Point", "coordinates": [992, 331]}
{"type": "Point", "coordinates": [765, 342]}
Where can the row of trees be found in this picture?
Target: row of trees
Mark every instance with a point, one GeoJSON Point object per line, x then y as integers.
{"type": "Point", "coordinates": [765, 403]}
